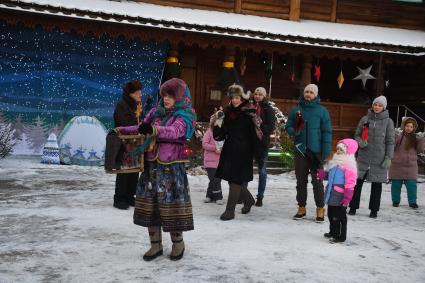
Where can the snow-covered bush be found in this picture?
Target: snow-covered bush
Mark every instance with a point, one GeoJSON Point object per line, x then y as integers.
{"type": "Point", "coordinates": [7, 141]}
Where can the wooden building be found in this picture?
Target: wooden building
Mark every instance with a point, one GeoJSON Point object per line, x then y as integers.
{"type": "Point", "coordinates": [289, 38]}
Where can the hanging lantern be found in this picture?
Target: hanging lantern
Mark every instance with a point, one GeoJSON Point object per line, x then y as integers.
{"type": "Point", "coordinates": [172, 65]}
{"type": "Point", "coordinates": [228, 75]}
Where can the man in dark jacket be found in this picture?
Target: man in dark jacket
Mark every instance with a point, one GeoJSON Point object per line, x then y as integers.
{"type": "Point", "coordinates": [125, 115]}
{"type": "Point", "coordinates": [268, 121]}
{"type": "Point", "coordinates": [310, 125]}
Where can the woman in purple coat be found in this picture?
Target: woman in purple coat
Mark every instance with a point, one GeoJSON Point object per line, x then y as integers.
{"type": "Point", "coordinates": [162, 195]}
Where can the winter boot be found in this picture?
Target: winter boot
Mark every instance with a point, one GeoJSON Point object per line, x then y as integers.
{"type": "Point", "coordinates": [334, 240]}
{"type": "Point", "coordinates": [352, 211]}
{"type": "Point", "coordinates": [396, 204]}
{"type": "Point", "coordinates": [414, 205]}
{"type": "Point", "coordinates": [208, 200]}
{"type": "Point", "coordinates": [300, 213]}
{"type": "Point", "coordinates": [177, 250]}
{"type": "Point", "coordinates": [234, 192]}
{"type": "Point", "coordinates": [320, 214]}
{"type": "Point", "coordinates": [248, 200]}
{"type": "Point", "coordinates": [328, 235]}
{"type": "Point", "coordinates": [373, 214]}
{"type": "Point", "coordinates": [121, 204]}
{"type": "Point", "coordinates": [156, 243]}
{"type": "Point", "coordinates": [259, 201]}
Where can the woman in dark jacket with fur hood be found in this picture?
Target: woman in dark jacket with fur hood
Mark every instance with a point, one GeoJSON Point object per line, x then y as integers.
{"type": "Point", "coordinates": [125, 115]}
{"type": "Point", "coordinates": [239, 128]}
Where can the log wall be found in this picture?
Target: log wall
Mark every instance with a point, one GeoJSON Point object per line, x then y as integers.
{"type": "Point", "coordinates": [387, 13]}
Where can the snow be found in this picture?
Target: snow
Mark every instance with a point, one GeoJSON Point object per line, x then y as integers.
{"type": "Point", "coordinates": [237, 22]}
{"type": "Point", "coordinates": [57, 229]}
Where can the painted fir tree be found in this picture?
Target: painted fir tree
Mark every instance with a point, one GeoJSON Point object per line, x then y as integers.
{"type": "Point", "coordinates": [23, 146]}
{"type": "Point", "coordinates": [19, 127]}
{"type": "Point", "coordinates": [37, 134]}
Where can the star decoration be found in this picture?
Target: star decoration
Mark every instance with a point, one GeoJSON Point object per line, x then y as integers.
{"type": "Point", "coordinates": [340, 79]}
{"type": "Point", "coordinates": [293, 77]}
{"type": "Point", "coordinates": [364, 75]}
{"type": "Point", "coordinates": [317, 72]}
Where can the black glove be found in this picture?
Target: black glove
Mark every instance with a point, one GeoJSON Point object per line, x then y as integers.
{"type": "Point", "coordinates": [145, 128]}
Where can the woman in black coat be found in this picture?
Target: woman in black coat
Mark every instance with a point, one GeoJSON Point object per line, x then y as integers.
{"type": "Point", "coordinates": [241, 140]}
{"type": "Point", "coordinates": [125, 115]}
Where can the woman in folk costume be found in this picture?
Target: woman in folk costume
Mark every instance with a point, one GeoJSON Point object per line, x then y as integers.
{"type": "Point", "coordinates": [341, 173]}
{"type": "Point", "coordinates": [375, 135]}
{"type": "Point", "coordinates": [162, 195]}
{"type": "Point", "coordinates": [239, 128]}
{"type": "Point", "coordinates": [404, 165]}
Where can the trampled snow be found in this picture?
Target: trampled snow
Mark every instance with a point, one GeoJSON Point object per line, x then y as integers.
{"type": "Point", "coordinates": [58, 225]}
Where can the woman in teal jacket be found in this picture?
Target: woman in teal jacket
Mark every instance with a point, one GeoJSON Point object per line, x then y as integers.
{"type": "Point", "coordinates": [309, 124]}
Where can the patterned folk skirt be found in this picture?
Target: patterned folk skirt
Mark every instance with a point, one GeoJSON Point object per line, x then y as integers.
{"type": "Point", "coordinates": [163, 199]}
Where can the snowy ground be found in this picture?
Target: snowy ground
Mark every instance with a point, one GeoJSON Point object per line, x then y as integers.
{"type": "Point", "coordinates": [57, 224]}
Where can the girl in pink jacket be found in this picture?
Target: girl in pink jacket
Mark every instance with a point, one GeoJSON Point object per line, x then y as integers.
{"type": "Point", "coordinates": [341, 173]}
{"type": "Point", "coordinates": [212, 150]}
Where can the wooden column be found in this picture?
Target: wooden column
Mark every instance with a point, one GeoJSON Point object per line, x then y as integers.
{"type": "Point", "coordinates": [238, 5]}
{"type": "Point", "coordinates": [333, 10]}
{"type": "Point", "coordinates": [294, 10]}
{"type": "Point", "coordinates": [380, 81]}
{"type": "Point", "coordinates": [306, 74]}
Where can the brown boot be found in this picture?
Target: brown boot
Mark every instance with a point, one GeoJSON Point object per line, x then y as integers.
{"type": "Point", "coordinates": [156, 243]}
{"type": "Point", "coordinates": [177, 250]}
{"type": "Point", "coordinates": [301, 213]}
{"type": "Point", "coordinates": [320, 214]}
{"type": "Point", "coordinates": [248, 200]}
{"type": "Point", "coordinates": [234, 192]}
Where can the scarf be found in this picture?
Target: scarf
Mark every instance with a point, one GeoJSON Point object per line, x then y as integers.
{"type": "Point", "coordinates": [341, 159]}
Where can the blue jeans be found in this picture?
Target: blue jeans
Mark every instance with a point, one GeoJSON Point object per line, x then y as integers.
{"type": "Point", "coordinates": [262, 176]}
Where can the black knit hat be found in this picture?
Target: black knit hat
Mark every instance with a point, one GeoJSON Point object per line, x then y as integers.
{"type": "Point", "coordinates": [132, 86]}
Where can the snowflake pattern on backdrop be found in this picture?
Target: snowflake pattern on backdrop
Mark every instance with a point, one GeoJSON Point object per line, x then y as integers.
{"type": "Point", "coordinates": [47, 77]}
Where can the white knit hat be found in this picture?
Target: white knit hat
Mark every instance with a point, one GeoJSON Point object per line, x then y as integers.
{"type": "Point", "coordinates": [381, 100]}
{"type": "Point", "coordinates": [313, 88]}
{"type": "Point", "coordinates": [261, 90]}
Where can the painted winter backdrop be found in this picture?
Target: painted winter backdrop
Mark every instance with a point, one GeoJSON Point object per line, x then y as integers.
{"type": "Point", "coordinates": [48, 77]}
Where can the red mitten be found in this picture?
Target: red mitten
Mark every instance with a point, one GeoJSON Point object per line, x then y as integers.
{"type": "Point", "coordinates": [299, 122]}
{"type": "Point", "coordinates": [365, 132]}
{"type": "Point", "coordinates": [321, 174]}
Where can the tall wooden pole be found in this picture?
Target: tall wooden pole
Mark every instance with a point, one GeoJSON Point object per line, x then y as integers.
{"type": "Point", "coordinates": [306, 74]}
{"type": "Point", "coordinates": [295, 10]}
{"type": "Point", "coordinates": [238, 6]}
{"type": "Point", "coordinates": [380, 82]}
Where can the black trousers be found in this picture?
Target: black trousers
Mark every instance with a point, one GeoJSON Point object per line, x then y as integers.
{"type": "Point", "coordinates": [214, 186]}
{"type": "Point", "coordinates": [375, 194]}
{"type": "Point", "coordinates": [125, 187]}
{"type": "Point", "coordinates": [337, 222]}
{"type": "Point", "coordinates": [303, 168]}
